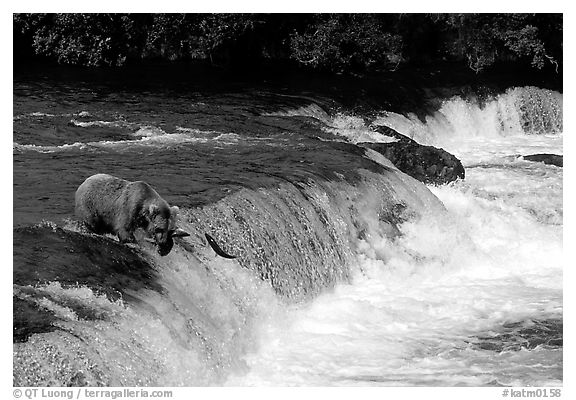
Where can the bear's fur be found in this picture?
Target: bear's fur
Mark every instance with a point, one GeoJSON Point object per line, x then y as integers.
{"type": "Point", "coordinates": [106, 204]}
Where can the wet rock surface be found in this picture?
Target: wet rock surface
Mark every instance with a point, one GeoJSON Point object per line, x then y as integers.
{"type": "Point", "coordinates": [523, 335]}
{"type": "Point", "coordinates": [552, 159]}
{"type": "Point", "coordinates": [44, 254]}
{"type": "Point", "coordinates": [428, 164]}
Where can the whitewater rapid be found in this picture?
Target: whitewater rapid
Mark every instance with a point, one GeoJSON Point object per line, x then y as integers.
{"type": "Point", "coordinates": [348, 272]}
{"type": "Point", "coordinates": [420, 306]}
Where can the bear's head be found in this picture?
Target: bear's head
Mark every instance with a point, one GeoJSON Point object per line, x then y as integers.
{"type": "Point", "coordinates": [162, 227]}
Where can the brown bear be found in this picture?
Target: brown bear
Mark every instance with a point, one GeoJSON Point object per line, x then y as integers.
{"type": "Point", "coordinates": [106, 204]}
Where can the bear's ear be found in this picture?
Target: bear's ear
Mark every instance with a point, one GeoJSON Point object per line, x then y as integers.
{"type": "Point", "coordinates": [153, 209]}
{"type": "Point", "coordinates": [174, 210]}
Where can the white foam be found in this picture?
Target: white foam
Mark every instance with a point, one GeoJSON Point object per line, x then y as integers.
{"type": "Point", "coordinates": [41, 114]}
{"type": "Point", "coordinates": [417, 301]}
{"type": "Point", "coordinates": [104, 124]}
{"type": "Point", "coordinates": [354, 129]}
{"type": "Point", "coordinates": [351, 128]}
{"type": "Point", "coordinates": [312, 110]}
{"type": "Point", "coordinates": [409, 314]}
{"type": "Point", "coordinates": [149, 131]}
{"type": "Point", "coordinates": [517, 112]}
{"type": "Point", "coordinates": [149, 138]}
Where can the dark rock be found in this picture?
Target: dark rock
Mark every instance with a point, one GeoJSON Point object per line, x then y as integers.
{"type": "Point", "coordinates": [386, 131]}
{"type": "Point", "coordinates": [522, 335]}
{"type": "Point", "coordinates": [428, 164]}
{"type": "Point", "coordinates": [553, 159]}
{"type": "Point", "coordinates": [28, 319]}
{"type": "Point", "coordinates": [42, 254]}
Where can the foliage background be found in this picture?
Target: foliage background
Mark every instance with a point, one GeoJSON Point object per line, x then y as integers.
{"type": "Point", "coordinates": [340, 43]}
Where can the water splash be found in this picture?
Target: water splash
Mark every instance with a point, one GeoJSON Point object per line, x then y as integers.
{"type": "Point", "coordinates": [147, 138]}
{"type": "Point", "coordinates": [371, 282]}
{"type": "Point", "coordinates": [301, 236]}
{"type": "Point", "coordinates": [519, 111]}
{"type": "Point", "coordinates": [191, 333]}
{"type": "Point", "coordinates": [418, 305]}
{"type": "Point", "coordinates": [293, 241]}
{"type": "Point", "coordinates": [311, 110]}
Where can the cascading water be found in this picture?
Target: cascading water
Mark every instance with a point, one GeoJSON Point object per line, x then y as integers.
{"type": "Point", "coordinates": [348, 272]}
{"type": "Point", "coordinates": [196, 327]}
{"type": "Point", "coordinates": [471, 297]}
{"type": "Point", "coordinates": [519, 111]}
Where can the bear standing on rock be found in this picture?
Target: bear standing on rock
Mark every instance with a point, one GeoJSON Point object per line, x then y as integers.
{"type": "Point", "coordinates": [106, 204]}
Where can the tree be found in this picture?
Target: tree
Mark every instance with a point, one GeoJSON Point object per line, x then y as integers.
{"type": "Point", "coordinates": [347, 42]}
{"type": "Point", "coordinates": [83, 39]}
{"type": "Point", "coordinates": [330, 42]}
{"type": "Point", "coordinates": [484, 39]}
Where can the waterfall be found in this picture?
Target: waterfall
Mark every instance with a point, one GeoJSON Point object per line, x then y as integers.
{"type": "Point", "coordinates": [197, 317]}
{"type": "Point", "coordinates": [518, 111]}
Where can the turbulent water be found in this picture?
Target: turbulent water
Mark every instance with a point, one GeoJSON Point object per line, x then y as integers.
{"type": "Point", "coordinates": [348, 272]}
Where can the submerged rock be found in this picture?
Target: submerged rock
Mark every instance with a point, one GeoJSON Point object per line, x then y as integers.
{"type": "Point", "coordinates": [428, 164]}
{"type": "Point", "coordinates": [553, 159]}
{"type": "Point", "coordinates": [516, 336]}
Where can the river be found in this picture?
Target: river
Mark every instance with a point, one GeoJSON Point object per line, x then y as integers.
{"type": "Point", "coordinates": [348, 272]}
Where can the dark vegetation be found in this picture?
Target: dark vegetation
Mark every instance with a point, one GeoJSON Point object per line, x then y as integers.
{"type": "Point", "coordinates": [340, 43]}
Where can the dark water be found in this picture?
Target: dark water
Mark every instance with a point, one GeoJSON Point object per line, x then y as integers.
{"type": "Point", "coordinates": [194, 147]}
{"type": "Point", "coordinates": [255, 165]}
